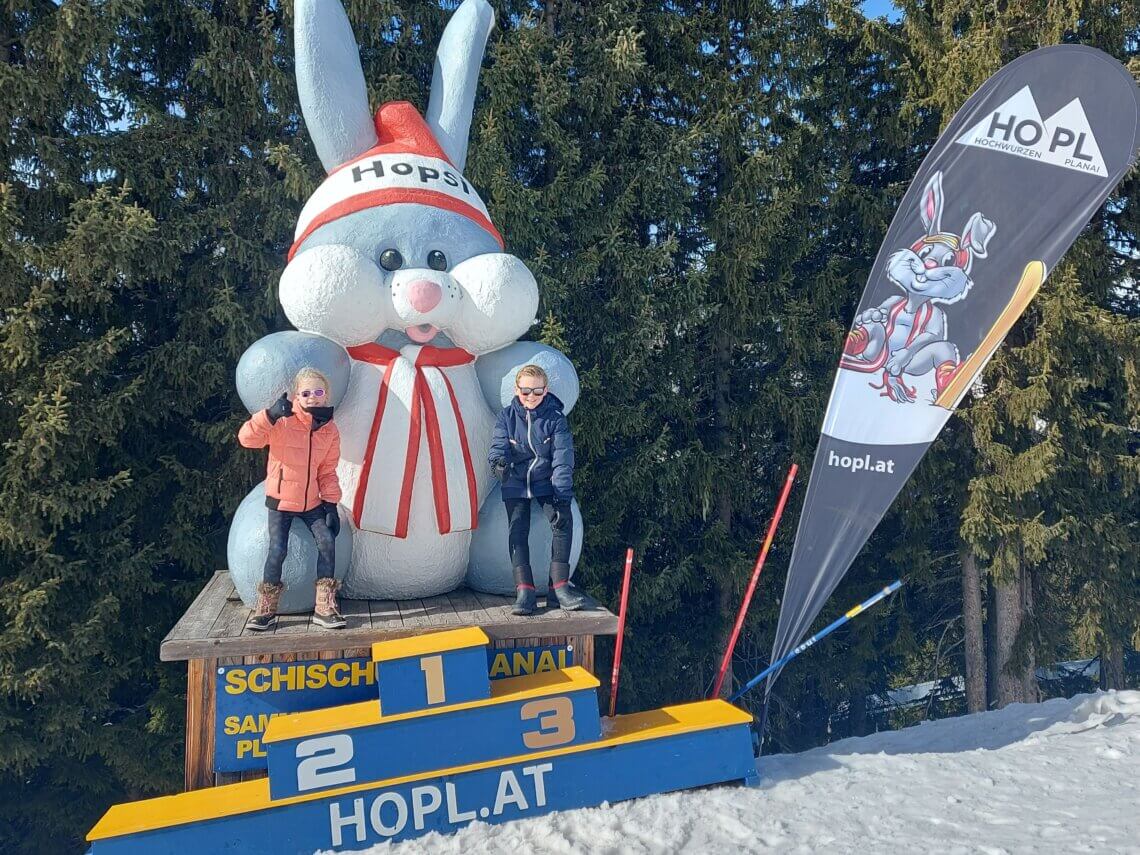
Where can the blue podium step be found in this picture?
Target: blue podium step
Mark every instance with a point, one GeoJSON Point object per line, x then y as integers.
{"type": "Point", "coordinates": [673, 748]}
{"type": "Point", "coordinates": [357, 743]}
{"type": "Point", "coordinates": [435, 670]}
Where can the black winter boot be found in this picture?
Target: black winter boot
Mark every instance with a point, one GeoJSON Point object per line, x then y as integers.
{"type": "Point", "coordinates": [562, 592]}
{"type": "Point", "coordinates": [525, 602]}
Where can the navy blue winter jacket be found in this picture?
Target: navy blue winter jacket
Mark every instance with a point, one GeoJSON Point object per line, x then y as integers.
{"type": "Point", "coordinates": [537, 449]}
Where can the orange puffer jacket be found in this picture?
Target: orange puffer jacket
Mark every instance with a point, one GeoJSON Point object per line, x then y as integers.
{"type": "Point", "coordinates": [302, 461]}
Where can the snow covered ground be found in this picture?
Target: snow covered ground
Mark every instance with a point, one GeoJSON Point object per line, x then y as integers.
{"type": "Point", "coordinates": [1062, 776]}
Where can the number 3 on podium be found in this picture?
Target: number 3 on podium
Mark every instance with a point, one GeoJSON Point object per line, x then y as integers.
{"type": "Point", "coordinates": [555, 722]}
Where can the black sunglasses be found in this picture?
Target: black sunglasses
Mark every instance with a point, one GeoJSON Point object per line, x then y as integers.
{"type": "Point", "coordinates": [532, 390]}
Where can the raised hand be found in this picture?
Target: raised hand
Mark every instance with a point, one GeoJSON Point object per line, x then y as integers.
{"type": "Point", "coordinates": [280, 408]}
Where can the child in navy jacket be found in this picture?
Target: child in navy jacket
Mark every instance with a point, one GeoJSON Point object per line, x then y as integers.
{"type": "Point", "coordinates": [532, 455]}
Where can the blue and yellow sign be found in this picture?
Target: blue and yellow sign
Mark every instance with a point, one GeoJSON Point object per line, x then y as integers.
{"type": "Point", "coordinates": [247, 696]}
{"type": "Point", "coordinates": [520, 661]}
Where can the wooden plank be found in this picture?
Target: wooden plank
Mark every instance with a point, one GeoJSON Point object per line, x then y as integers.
{"type": "Point", "coordinates": [467, 608]}
{"type": "Point", "coordinates": [199, 765]}
{"type": "Point", "coordinates": [386, 616]}
{"type": "Point", "coordinates": [231, 621]}
{"type": "Point", "coordinates": [356, 614]}
{"type": "Point", "coordinates": [498, 609]}
{"type": "Point", "coordinates": [574, 623]}
{"type": "Point", "coordinates": [583, 651]}
{"type": "Point", "coordinates": [294, 624]}
{"type": "Point", "coordinates": [227, 637]}
{"type": "Point", "coordinates": [439, 611]}
{"type": "Point", "coordinates": [202, 613]}
{"type": "Point", "coordinates": [413, 613]}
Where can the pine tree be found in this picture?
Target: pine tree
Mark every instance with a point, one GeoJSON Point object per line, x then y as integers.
{"type": "Point", "coordinates": [585, 159]}
{"type": "Point", "coordinates": [145, 205]}
{"type": "Point", "coordinates": [1054, 479]}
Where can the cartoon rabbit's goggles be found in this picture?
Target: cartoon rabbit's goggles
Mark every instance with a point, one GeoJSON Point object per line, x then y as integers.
{"type": "Point", "coordinates": [961, 256]}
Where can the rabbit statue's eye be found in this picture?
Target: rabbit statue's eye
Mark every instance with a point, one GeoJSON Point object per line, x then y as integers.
{"type": "Point", "coordinates": [437, 260]}
{"type": "Point", "coordinates": [390, 259]}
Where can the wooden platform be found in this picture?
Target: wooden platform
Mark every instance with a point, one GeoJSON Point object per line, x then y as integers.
{"type": "Point", "coordinates": [214, 625]}
{"type": "Point", "coordinates": [212, 634]}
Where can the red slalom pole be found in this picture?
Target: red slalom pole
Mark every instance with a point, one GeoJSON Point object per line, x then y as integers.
{"type": "Point", "coordinates": [621, 629]}
{"type": "Point", "coordinates": [752, 584]}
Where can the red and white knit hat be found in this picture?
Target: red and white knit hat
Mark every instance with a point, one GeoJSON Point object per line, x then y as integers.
{"type": "Point", "coordinates": [406, 165]}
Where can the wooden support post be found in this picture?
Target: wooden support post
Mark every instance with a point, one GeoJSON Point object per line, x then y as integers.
{"type": "Point", "coordinates": [199, 770]}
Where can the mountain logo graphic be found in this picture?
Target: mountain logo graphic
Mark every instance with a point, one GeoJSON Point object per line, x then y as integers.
{"type": "Point", "coordinates": [1064, 139]}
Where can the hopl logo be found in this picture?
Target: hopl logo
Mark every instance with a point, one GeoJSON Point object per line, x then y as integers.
{"type": "Point", "coordinates": [1064, 139]}
{"type": "Point", "coordinates": [866, 463]}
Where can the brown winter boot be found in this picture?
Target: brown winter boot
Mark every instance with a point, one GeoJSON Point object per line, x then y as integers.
{"type": "Point", "coordinates": [265, 611]}
{"type": "Point", "coordinates": [326, 613]}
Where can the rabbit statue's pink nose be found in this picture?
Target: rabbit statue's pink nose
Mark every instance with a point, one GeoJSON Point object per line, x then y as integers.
{"type": "Point", "coordinates": [930, 263]}
{"type": "Point", "coordinates": [424, 295]}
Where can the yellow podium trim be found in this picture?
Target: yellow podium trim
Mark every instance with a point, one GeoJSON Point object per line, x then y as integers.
{"type": "Point", "coordinates": [249, 796]}
{"type": "Point", "coordinates": [436, 642]}
{"type": "Point", "coordinates": [365, 713]}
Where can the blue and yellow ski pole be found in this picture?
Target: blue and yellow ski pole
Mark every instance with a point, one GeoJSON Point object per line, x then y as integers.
{"type": "Point", "coordinates": [784, 660]}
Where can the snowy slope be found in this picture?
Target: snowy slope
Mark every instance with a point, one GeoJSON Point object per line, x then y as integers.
{"type": "Point", "coordinates": [1057, 777]}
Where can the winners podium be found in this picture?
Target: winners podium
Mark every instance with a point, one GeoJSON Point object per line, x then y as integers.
{"type": "Point", "coordinates": [438, 746]}
{"type": "Point", "coordinates": [237, 678]}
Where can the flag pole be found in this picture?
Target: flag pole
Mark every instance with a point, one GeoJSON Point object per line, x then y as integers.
{"type": "Point", "coordinates": [827, 630]}
{"type": "Point", "coordinates": [744, 604]}
{"type": "Point", "coordinates": [621, 629]}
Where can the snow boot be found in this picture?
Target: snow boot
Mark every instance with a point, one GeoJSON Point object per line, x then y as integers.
{"type": "Point", "coordinates": [562, 593]}
{"type": "Point", "coordinates": [525, 601]}
{"type": "Point", "coordinates": [265, 610]}
{"type": "Point", "coordinates": [326, 613]}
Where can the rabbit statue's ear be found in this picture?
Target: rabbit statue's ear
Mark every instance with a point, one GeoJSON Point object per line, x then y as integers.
{"type": "Point", "coordinates": [456, 77]}
{"type": "Point", "coordinates": [330, 82]}
{"type": "Point", "coordinates": [979, 229]}
{"type": "Point", "coordinates": [930, 205]}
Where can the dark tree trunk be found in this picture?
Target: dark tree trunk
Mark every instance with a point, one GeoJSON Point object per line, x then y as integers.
{"type": "Point", "coordinates": [1112, 665]}
{"type": "Point", "coordinates": [725, 599]}
{"type": "Point", "coordinates": [857, 723]}
{"type": "Point", "coordinates": [1007, 616]}
{"type": "Point", "coordinates": [1028, 673]}
{"type": "Point", "coordinates": [991, 647]}
{"type": "Point", "coordinates": [974, 641]}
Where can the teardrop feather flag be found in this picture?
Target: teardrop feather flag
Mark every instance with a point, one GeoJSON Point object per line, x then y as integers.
{"type": "Point", "coordinates": [1004, 192]}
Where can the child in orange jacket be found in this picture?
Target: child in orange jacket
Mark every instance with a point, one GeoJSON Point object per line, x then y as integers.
{"type": "Point", "coordinates": [300, 483]}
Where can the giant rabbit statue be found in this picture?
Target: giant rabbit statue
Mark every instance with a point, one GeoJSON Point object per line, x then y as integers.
{"type": "Point", "coordinates": [403, 297]}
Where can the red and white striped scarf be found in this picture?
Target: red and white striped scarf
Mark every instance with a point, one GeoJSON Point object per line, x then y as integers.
{"type": "Point", "coordinates": [415, 398]}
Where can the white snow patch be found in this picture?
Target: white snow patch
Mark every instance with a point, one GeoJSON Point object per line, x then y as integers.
{"type": "Point", "coordinates": [1060, 776]}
